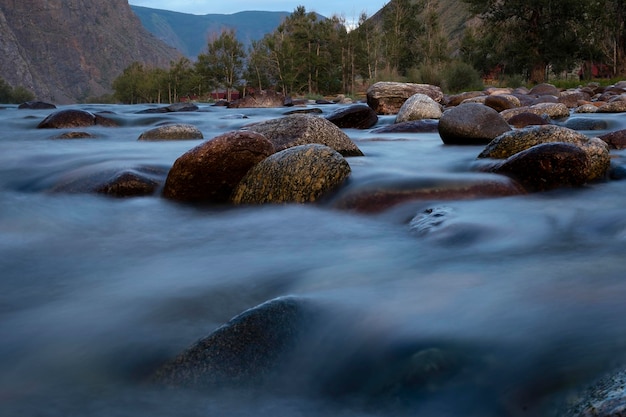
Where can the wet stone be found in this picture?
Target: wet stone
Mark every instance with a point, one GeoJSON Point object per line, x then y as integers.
{"type": "Point", "coordinates": [387, 97]}
{"type": "Point", "coordinates": [615, 140]}
{"type": "Point", "coordinates": [415, 126]}
{"type": "Point", "coordinates": [417, 107]}
{"type": "Point", "coordinates": [70, 118]}
{"type": "Point", "coordinates": [528, 119]}
{"type": "Point", "coordinates": [210, 171]}
{"type": "Point", "coordinates": [178, 131]}
{"type": "Point", "coordinates": [356, 116]}
{"type": "Point", "coordinates": [300, 174]}
{"type": "Point", "coordinates": [547, 166]}
{"type": "Point", "coordinates": [302, 129]}
{"type": "Point", "coordinates": [471, 124]}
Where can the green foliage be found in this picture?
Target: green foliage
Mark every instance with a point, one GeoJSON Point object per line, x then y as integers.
{"type": "Point", "coordinates": [460, 76]}
{"type": "Point", "coordinates": [15, 95]}
{"type": "Point", "coordinates": [426, 74]}
{"type": "Point", "coordinates": [527, 37]}
{"type": "Point", "coordinates": [222, 64]}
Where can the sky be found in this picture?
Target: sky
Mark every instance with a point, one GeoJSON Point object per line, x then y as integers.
{"type": "Point", "coordinates": [350, 9]}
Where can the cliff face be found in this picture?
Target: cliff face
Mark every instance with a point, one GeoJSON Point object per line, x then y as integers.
{"type": "Point", "coordinates": [68, 50]}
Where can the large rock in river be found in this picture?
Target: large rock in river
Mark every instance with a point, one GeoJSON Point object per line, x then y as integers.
{"type": "Point", "coordinates": [471, 124]}
{"type": "Point", "coordinates": [177, 131]}
{"type": "Point", "coordinates": [513, 142]}
{"type": "Point", "coordinates": [356, 116]}
{"type": "Point", "coordinates": [244, 351]}
{"type": "Point", "coordinates": [209, 172]}
{"type": "Point", "coordinates": [70, 118]}
{"type": "Point", "coordinates": [547, 166]}
{"type": "Point", "coordinates": [302, 129]}
{"type": "Point", "coordinates": [418, 107]}
{"type": "Point", "coordinates": [300, 174]}
{"type": "Point", "coordinates": [388, 97]}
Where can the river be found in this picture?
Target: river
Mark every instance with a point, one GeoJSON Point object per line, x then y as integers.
{"type": "Point", "coordinates": [96, 291]}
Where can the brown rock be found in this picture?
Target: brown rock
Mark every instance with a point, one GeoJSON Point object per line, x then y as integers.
{"type": "Point", "coordinates": [457, 99]}
{"type": "Point", "coordinates": [302, 129]}
{"type": "Point", "coordinates": [615, 140]}
{"type": "Point", "coordinates": [551, 110]}
{"type": "Point", "coordinates": [356, 116]}
{"type": "Point", "coordinates": [129, 183]}
{"type": "Point", "coordinates": [471, 124]}
{"type": "Point", "coordinates": [502, 102]}
{"type": "Point", "coordinates": [383, 193]}
{"type": "Point", "coordinates": [544, 89]}
{"type": "Point", "coordinates": [388, 97]}
{"type": "Point", "coordinates": [178, 131]}
{"type": "Point", "coordinates": [300, 174]}
{"type": "Point", "coordinates": [209, 172]}
{"type": "Point", "coordinates": [70, 118]}
{"type": "Point", "coordinates": [259, 99]}
{"type": "Point", "coordinates": [528, 119]}
{"type": "Point", "coordinates": [547, 166]}
{"type": "Point", "coordinates": [415, 126]}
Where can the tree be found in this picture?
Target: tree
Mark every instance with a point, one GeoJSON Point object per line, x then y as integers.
{"type": "Point", "coordinates": [223, 61]}
{"type": "Point", "coordinates": [15, 95]}
{"type": "Point", "coordinates": [528, 36]}
{"type": "Point", "coordinates": [402, 30]}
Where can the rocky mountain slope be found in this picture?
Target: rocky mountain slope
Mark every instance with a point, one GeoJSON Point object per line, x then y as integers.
{"type": "Point", "coordinates": [189, 33]}
{"type": "Point", "coordinates": [68, 50]}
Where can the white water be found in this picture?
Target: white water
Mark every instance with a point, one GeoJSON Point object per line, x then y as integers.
{"type": "Point", "coordinates": [95, 291]}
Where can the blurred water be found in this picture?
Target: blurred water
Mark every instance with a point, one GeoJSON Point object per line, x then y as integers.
{"type": "Point", "coordinates": [95, 291]}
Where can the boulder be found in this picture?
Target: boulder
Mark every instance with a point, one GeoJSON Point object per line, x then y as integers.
{"type": "Point", "coordinates": [302, 129]}
{"type": "Point", "coordinates": [356, 116]}
{"type": "Point", "coordinates": [380, 194]}
{"type": "Point", "coordinates": [551, 110]}
{"type": "Point", "coordinates": [544, 89]}
{"type": "Point", "coordinates": [617, 106]}
{"type": "Point", "coordinates": [471, 124]}
{"type": "Point", "coordinates": [572, 98]}
{"type": "Point", "coordinates": [177, 131]}
{"type": "Point", "coordinates": [75, 135]}
{"type": "Point", "coordinates": [112, 181]}
{"type": "Point", "coordinates": [457, 99]}
{"type": "Point", "coordinates": [547, 166]}
{"type": "Point", "coordinates": [36, 105]}
{"type": "Point", "coordinates": [70, 118]}
{"type": "Point", "coordinates": [210, 171]}
{"type": "Point", "coordinates": [245, 351]}
{"type": "Point", "coordinates": [528, 119]}
{"type": "Point", "coordinates": [260, 99]}
{"type": "Point", "coordinates": [388, 97]}
{"type": "Point", "coordinates": [129, 183]}
{"type": "Point", "coordinates": [510, 143]}
{"type": "Point", "coordinates": [502, 102]}
{"type": "Point", "coordinates": [172, 108]}
{"type": "Point", "coordinates": [587, 108]}
{"type": "Point", "coordinates": [417, 107]}
{"type": "Point", "coordinates": [585, 123]}
{"type": "Point", "coordinates": [300, 174]}
{"type": "Point", "coordinates": [615, 140]}
{"type": "Point", "coordinates": [605, 397]}
{"type": "Point", "coordinates": [415, 126]}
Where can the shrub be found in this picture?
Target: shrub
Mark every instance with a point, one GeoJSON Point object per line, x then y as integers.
{"type": "Point", "coordinates": [459, 76]}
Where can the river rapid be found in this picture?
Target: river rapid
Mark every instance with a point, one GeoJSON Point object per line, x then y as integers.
{"type": "Point", "coordinates": [96, 292]}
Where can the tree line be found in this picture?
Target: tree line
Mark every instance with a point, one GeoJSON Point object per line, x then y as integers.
{"type": "Point", "coordinates": [310, 55]}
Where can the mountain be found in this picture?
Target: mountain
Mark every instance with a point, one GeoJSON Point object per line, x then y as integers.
{"type": "Point", "coordinates": [68, 50]}
{"type": "Point", "coordinates": [189, 33]}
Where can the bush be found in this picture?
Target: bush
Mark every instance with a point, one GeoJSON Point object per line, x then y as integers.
{"type": "Point", "coordinates": [426, 74]}
{"type": "Point", "coordinates": [459, 76]}
{"type": "Point", "coordinates": [14, 95]}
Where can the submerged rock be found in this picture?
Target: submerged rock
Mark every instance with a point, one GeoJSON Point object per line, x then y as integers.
{"type": "Point", "coordinates": [528, 119]}
{"type": "Point", "coordinates": [123, 182]}
{"type": "Point", "coordinates": [178, 131]}
{"type": "Point", "coordinates": [70, 118]}
{"type": "Point", "coordinates": [302, 129]}
{"type": "Point", "coordinates": [210, 171]}
{"type": "Point", "coordinates": [244, 351]}
{"type": "Point", "coordinates": [381, 194]}
{"type": "Point", "coordinates": [551, 110]}
{"type": "Point", "coordinates": [415, 126]}
{"type": "Point", "coordinates": [471, 124]}
{"type": "Point", "coordinates": [36, 105]}
{"type": "Point", "coordinates": [356, 116]}
{"type": "Point", "coordinates": [129, 183]}
{"type": "Point", "coordinates": [300, 174]}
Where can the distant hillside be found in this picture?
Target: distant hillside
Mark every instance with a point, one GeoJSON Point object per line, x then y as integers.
{"type": "Point", "coordinates": [189, 33]}
{"type": "Point", "coordinates": [68, 50]}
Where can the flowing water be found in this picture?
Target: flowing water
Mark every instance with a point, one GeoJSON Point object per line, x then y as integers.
{"type": "Point", "coordinates": [95, 291]}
